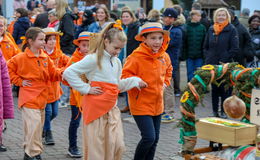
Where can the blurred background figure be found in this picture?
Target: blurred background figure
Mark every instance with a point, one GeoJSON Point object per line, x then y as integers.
{"type": "Point", "coordinates": [244, 16]}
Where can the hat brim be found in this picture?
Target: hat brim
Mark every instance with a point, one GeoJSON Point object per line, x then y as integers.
{"type": "Point", "coordinates": [53, 33]}
{"type": "Point", "coordinates": [140, 36]}
{"type": "Point", "coordinates": [76, 41]}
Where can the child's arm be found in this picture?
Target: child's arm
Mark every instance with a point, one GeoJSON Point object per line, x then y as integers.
{"type": "Point", "coordinates": [168, 74]}
{"type": "Point", "coordinates": [129, 77]}
{"type": "Point", "coordinates": [8, 106]}
{"type": "Point", "coordinates": [14, 77]}
{"type": "Point", "coordinates": [73, 72]}
{"type": "Point", "coordinates": [54, 72]}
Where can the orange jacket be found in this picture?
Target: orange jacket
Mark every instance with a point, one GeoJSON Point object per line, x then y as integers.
{"type": "Point", "coordinates": [60, 60]}
{"type": "Point", "coordinates": [155, 70]}
{"type": "Point", "coordinates": [77, 56]}
{"type": "Point", "coordinates": [39, 70]}
{"type": "Point", "coordinates": [9, 47]}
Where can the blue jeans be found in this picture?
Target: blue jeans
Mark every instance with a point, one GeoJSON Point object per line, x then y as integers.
{"type": "Point", "coordinates": [74, 125]}
{"type": "Point", "coordinates": [192, 65]}
{"type": "Point", "coordinates": [51, 111]}
{"type": "Point", "coordinates": [65, 97]}
{"type": "Point", "coordinates": [150, 130]}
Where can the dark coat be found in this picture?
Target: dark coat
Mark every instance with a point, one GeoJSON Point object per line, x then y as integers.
{"type": "Point", "coordinates": [222, 47]}
{"type": "Point", "coordinates": [245, 43]}
{"type": "Point", "coordinates": [256, 41]}
{"type": "Point", "coordinates": [132, 31]}
{"type": "Point", "coordinates": [20, 27]}
{"type": "Point", "coordinates": [193, 41]}
{"type": "Point", "coordinates": [175, 45]}
{"type": "Point", "coordinates": [67, 27]}
{"type": "Point", "coordinates": [42, 20]}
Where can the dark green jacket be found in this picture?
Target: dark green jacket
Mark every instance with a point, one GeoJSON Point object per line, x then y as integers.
{"type": "Point", "coordinates": [194, 38]}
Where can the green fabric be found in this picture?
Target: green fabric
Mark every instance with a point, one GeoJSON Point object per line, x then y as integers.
{"type": "Point", "coordinates": [193, 40]}
{"type": "Point", "coordinates": [201, 82]}
{"type": "Point", "coordinates": [183, 133]}
{"type": "Point", "coordinates": [188, 122]}
{"type": "Point", "coordinates": [190, 103]}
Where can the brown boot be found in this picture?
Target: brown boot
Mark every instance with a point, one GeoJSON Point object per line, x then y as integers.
{"type": "Point", "coordinates": [126, 109]}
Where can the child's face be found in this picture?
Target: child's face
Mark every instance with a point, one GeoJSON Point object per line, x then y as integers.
{"type": "Point", "coordinates": [114, 47]}
{"type": "Point", "coordinates": [2, 27]}
{"type": "Point", "coordinates": [196, 18]}
{"type": "Point", "coordinates": [51, 42]}
{"type": "Point", "coordinates": [84, 46]}
{"type": "Point", "coordinates": [168, 20]}
{"type": "Point", "coordinates": [17, 14]}
{"type": "Point", "coordinates": [39, 41]}
{"type": "Point", "coordinates": [154, 41]}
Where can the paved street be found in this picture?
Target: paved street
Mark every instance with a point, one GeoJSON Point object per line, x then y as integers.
{"type": "Point", "coordinates": [167, 148]}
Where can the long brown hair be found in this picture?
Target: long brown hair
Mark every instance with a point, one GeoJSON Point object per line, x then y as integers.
{"type": "Point", "coordinates": [97, 42]}
{"type": "Point", "coordinates": [32, 34]}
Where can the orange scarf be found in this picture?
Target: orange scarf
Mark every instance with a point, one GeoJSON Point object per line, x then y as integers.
{"type": "Point", "coordinates": [218, 27]}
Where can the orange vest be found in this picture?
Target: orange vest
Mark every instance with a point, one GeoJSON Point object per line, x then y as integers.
{"type": "Point", "coordinates": [39, 70]}
{"type": "Point", "coordinates": [8, 46]}
{"type": "Point", "coordinates": [60, 60]}
{"type": "Point", "coordinates": [95, 106]}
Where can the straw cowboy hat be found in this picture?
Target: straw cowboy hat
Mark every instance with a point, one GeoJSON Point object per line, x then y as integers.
{"type": "Point", "coordinates": [51, 31]}
{"type": "Point", "coordinates": [83, 36]}
{"type": "Point", "coordinates": [150, 27]}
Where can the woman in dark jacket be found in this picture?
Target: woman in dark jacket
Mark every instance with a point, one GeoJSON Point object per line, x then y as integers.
{"type": "Point", "coordinates": [131, 27]}
{"type": "Point", "coordinates": [221, 45]}
{"type": "Point", "coordinates": [254, 29]}
{"type": "Point", "coordinates": [66, 26]}
{"type": "Point", "coordinates": [21, 25]}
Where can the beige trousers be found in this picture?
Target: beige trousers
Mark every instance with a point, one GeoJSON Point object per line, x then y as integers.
{"type": "Point", "coordinates": [169, 99]}
{"type": "Point", "coordinates": [103, 139]}
{"type": "Point", "coordinates": [33, 120]}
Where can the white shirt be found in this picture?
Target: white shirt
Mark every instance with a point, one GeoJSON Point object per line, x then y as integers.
{"type": "Point", "coordinates": [111, 72]}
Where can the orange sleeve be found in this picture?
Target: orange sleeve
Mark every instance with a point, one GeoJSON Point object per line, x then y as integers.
{"type": "Point", "coordinates": [14, 77]}
{"type": "Point", "coordinates": [54, 72]}
{"type": "Point", "coordinates": [168, 75]}
{"type": "Point", "coordinates": [65, 60]}
{"type": "Point", "coordinates": [129, 69]}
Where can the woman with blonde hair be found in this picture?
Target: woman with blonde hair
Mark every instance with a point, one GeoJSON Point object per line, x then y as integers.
{"type": "Point", "coordinates": [102, 19]}
{"type": "Point", "coordinates": [66, 26]}
{"type": "Point", "coordinates": [220, 45]}
{"type": "Point", "coordinates": [100, 112]}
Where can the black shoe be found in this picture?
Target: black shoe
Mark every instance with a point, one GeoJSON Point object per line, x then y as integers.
{"type": "Point", "coordinates": [27, 157]}
{"type": "Point", "coordinates": [223, 115]}
{"type": "Point", "coordinates": [48, 139]}
{"type": "Point", "coordinates": [215, 114]}
{"type": "Point", "coordinates": [74, 152]}
{"type": "Point", "coordinates": [43, 133]}
{"type": "Point", "coordinates": [2, 148]}
{"type": "Point", "coordinates": [38, 157]}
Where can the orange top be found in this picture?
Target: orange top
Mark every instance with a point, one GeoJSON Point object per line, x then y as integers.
{"type": "Point", "coordinates": [77, 56]}
{"type": "Point", "coordinates": [39, 70]}
{"type": "Point", "coordinates": [10, 27]}
{"type": "Point", "coordinates": [218, 27]}
{"type": "Point", "coordinates": [8, 46]}
{"type": "Point", "coordinates": [95, 106]}
{"type": "Point", "coordinates": [155, 70]}
{"type": "Point", "coordinates": [60, 61]}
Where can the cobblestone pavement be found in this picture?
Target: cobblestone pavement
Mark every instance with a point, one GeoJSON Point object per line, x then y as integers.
{"type": "Point", "coordinates": [167, 147]}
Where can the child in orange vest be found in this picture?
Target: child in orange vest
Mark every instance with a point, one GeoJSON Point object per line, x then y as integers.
{"type": "Point", "coordinates": [60, 60]}
{"type": "Point", "coordinates": [100, 112]}
{"type": "Point", "coordinates": [7, 44]}
{"type": "Point", "coordinates": [83, 48]}
{"type": "Point", "coordinates": [152, 63]}
{"type": "Point", "coordinates": [33, 70]}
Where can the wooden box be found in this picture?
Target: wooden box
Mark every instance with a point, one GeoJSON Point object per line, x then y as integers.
{"type": "Point", "coordinates": [221, 131]}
